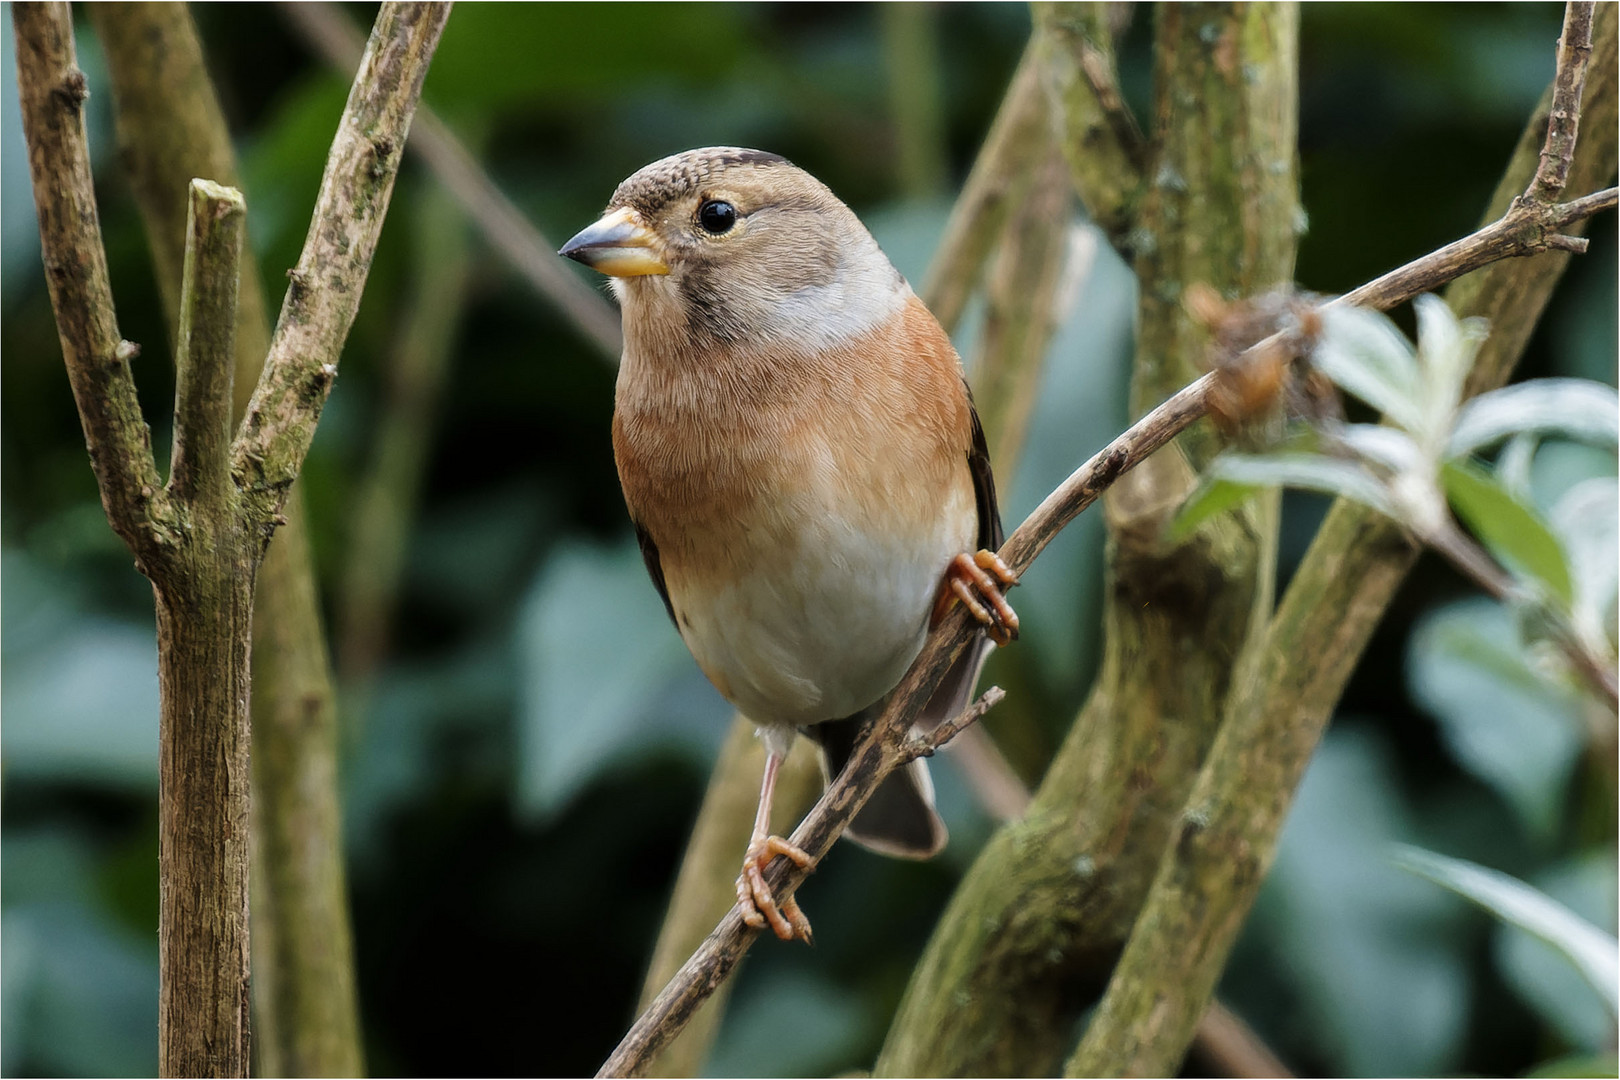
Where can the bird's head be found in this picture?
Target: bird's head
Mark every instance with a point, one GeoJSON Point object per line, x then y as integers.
{"type": "Point", "coordinates": [728, 246]}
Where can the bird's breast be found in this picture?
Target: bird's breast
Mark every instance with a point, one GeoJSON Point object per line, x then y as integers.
{"type": "Point", "coordinates": [803, 511]}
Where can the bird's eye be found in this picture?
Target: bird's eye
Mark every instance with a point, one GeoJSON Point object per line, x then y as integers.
{"type": "Point", "coordinates": [717, 216]}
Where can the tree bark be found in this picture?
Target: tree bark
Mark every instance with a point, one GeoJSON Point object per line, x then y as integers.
{"type": "Point", "coordinates": [1226, 837]}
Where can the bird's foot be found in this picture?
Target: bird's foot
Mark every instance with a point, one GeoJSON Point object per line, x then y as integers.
{"type": "Point", "coordinates": [754, 897]}
{"type": "Point", "coordinates": [979, 581]}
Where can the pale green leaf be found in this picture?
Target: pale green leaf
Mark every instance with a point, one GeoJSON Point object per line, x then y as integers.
{"type": "Point", "coordinates": [1594, 953]}
{"type": "Point", "coordinates": [1365, 355]}
{"type": "Point", "coordinates": [1513, 530]}
{"type": "Point", "coordinates": [1575, 409]}
{"type": "Point", "coordinates": [1232, 478]}
{"type": "Point", "coordinates": [1446, 350]}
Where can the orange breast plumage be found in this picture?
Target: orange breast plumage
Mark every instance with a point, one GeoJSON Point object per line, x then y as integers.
{"type": "Point", "coordinates": [804, 505]}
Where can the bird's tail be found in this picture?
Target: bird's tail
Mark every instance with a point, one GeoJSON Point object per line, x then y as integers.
{"type": "Point", "coordinates": [899, 819]}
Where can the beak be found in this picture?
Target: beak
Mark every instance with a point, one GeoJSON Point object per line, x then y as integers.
{"type": "Point", "coordinates": [620, 245]}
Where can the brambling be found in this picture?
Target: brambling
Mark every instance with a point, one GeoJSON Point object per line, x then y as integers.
{"type": "Point", "coordinates": [804, 468]}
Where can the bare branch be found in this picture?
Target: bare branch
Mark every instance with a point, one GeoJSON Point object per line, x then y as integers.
{"type": "Point", "coordinates": [999, 176]}
{"type": "Point", "coordinates": [98, 360]}
{"type": "Point", "coordinates": [1574, 52]}
{"type": "Point", "coordinates": [205, 351]}
{"type": "Point", "coordinates": [331, 273]}
{"type": "Point", "coordinates": [504, 226]}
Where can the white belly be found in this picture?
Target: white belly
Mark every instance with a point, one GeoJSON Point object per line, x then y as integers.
{"type": "Point", "coordinates": [833, 630]}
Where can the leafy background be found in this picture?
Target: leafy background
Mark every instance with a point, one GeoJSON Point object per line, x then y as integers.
{"type": "Point", "coordinates": [520, 772]}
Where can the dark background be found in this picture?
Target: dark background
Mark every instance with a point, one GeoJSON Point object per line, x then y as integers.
{"type": "Point", "coordinates": [521, 771]}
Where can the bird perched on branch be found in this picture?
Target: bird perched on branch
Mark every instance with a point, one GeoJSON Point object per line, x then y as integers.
{"type": "Point", "coordinates": [803, 466]}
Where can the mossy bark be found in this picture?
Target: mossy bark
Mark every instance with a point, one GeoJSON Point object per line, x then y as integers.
{"type": "Point", "coordinates": [1028, 938]}
{"type": "Point", "coordinates": [1225, 840]}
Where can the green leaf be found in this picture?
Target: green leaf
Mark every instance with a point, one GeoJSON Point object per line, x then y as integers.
{"type": "Point", "coordinates": [1367, 356]}
{"type": "Point", "coordinates": [1232, 478]}
{"type": "Point", "coordinates": [1577, 1065]}
{"type": "Point", "coordinates": [1513, 530]}
{"type": "Point", "coordinates": [1571, 408]}
{"type": "Point", "coordinates": [1500, 717]}
{"type": "Point", "coordinates": [1592, 951]}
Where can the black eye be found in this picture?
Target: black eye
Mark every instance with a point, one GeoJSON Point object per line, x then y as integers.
{"type": "Point", "coordinates": [717, 217]}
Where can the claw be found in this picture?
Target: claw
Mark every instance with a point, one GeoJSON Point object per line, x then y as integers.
{"type": "Point", "coordinates": [754, 898]}
{"type": "Point", "coordinates": [978, 581]}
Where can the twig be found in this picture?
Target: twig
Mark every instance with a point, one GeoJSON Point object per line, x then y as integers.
{"type": "Point", "coordinates": [1476, 564]}
{"type": "Point", "coordinates": [1234, 1048]}
{"type": "Point", "coordinates": [881, 748]}
{"type": "Point", "coordinates": [719, 954]}
{"type": "Point", "coordinates": [999, 176]}
{"type": "Point", "coordinates": [327, 283]}
{"type": "Point", "coordinates": [1574, 52]}
{"type": "Point", "coordinates": [503, 225]}
{"type": "Point", "coordinates": [52, 92]}
{"type": "Point", "coordinates": [926, 744]}
{"type": "Point", "coordinates": [306, 1020]}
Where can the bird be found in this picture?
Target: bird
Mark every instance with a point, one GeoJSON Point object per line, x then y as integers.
{"type": "Point", "coordinates": [804, 469]}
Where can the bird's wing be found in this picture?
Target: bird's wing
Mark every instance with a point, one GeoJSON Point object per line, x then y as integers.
{"type": "Point", "coordinates": [655, 568]}
{"type": "Point", "coordinates": [984, 483]}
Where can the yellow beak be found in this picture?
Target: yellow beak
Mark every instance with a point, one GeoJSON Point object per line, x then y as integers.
{"type": "Point", "coordinates": [620, 245]}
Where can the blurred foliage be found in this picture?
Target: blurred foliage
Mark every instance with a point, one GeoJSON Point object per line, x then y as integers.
{"type": "Point", "coordinates": [520, 774]}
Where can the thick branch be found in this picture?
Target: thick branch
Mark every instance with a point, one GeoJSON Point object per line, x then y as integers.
{"type": "Point", "coordinates": [205, 351]}
{"type": "Point", "coordinates": [52, 92]}
{"type": "Point", "coordinates": [1100, 137]}
{"type": "Point", "coordinates": [331, 273]}
{"type": "Point", "coordinates": [1227, 836]}
{"type": "Point", "coordinates": [504, 226]}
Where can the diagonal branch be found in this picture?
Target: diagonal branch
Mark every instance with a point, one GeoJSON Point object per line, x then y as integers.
{"type": "Point", "coordinates": [326, 285]}
{"type": "Point", "coordinates": [504, 226]}
{"type": "Point", "coordinates": [98, 360]}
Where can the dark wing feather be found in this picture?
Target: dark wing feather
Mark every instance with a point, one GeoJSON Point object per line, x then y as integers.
{"type": "Point", "coordinates": [984, 483]}
{"type": "Point", "coordinates": [655, 568]}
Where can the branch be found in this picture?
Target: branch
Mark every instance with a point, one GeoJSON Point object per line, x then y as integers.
{"type": "Point", "coordinates": [331, 273]}
{"type": "Point", "coordinates": [53, 91]}
{"type": "Point", "coordinates": [306, 1020]}
{"type": "Point", "coordinates": [505, 228]}
{"type": "Point", "coordinates": [1106, 151]}
{"type": "Point", "coordinates": [999, 177]}
{"type": "Point", "coordinates": [883, 746]}
{"type": "Point", "coordinates": [1574, 52]}
{"type": "Point", "coordinates": [1476, 564]}
{"type": "Point", "coordinates": [205, 352]}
